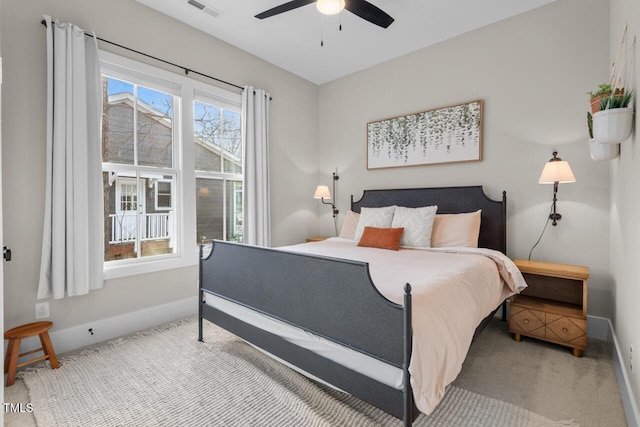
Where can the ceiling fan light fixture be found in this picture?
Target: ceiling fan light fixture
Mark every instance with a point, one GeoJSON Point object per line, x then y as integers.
{"type": "Point", "coordinates": [330, 7]}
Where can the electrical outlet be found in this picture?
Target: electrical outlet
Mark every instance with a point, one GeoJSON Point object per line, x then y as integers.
{"type": "Point", "coordinates": [42, 310]}
{"type": "Point", "coordinates": [631, 358]}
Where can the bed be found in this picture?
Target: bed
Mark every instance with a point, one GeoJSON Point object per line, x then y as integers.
{"type": "Point", "coordinates": [315, 306]}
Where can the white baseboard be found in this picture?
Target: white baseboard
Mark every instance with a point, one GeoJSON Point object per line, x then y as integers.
{"type": "Point", "coordinates": [603, 329]}
{"type": "Point", "coordinates": [105, 329]}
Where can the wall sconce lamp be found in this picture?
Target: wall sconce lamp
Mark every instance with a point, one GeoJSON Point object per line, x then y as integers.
{"type": "Point", "coordinates": [556, 171]}
{"type": "Point", "coordinates": [322, 192]}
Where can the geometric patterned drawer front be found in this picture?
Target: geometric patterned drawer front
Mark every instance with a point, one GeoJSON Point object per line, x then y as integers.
{"type": "Point", "coordinates": [567, 330]}
{"type": "Point", "coordinates": [526, 321]}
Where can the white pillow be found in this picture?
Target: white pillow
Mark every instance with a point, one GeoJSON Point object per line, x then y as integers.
{"type": "Point", "coordinates": [456, 230]}
{"type": "Point", "coordinates": [374, 217]}
{"type": "Point", "coordinates": [417, 224]}
{"type": "Point", "coordinates": [348, 230]}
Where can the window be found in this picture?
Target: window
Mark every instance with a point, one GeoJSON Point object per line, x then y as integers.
{"type": "Point", "coordinates": [218, 163]}
{"type": "Point", "coordinates": [163, 194]}
{"type": "Point", "coordinates": [166, 139]}
{"type": "Point", "coordinates": [138, 144]}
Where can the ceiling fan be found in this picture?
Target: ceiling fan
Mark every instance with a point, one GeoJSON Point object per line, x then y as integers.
{"type": "Point", "coordinates": [361, 8]}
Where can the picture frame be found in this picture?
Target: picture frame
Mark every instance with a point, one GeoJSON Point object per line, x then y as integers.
{"type": "Point", "coordinates": [451, 134]}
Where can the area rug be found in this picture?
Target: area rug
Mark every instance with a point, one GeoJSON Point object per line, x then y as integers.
{"type": "Point", "coordinates": [165, 377]}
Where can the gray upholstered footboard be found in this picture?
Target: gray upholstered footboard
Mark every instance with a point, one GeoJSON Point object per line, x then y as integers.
{"type": "Point", "coordinates": [332, 298]}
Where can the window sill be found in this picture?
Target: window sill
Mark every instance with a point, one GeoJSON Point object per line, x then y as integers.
{"type": "Point", "coordinates": [149, 266]}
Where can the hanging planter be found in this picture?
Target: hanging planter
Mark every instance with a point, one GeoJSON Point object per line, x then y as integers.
{"type": "Point", "coordinates": [611, 104]}
{"type": "Point", "coordinates": [600, 151]}
{"type": "Point", "coordinates": [613, 126]}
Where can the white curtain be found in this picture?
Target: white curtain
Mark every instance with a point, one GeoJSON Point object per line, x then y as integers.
{"type": "Point", "coordinates": [73, 236]}
{"type": "Point", "coordinates": [255, 131]}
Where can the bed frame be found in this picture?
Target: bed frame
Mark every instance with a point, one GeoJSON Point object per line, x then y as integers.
{"type": "Point", "coordinates": [335, 298]}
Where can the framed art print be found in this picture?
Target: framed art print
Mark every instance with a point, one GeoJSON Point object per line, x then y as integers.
{"type": "Point", "coordinates": [443, 135]}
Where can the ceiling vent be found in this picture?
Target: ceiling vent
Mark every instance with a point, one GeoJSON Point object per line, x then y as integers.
{"type": "Point", "coordinates": [205, 8]}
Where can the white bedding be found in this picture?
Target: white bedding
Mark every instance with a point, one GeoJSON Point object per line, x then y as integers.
{"type": "Point", "coordinates": [453, 289]}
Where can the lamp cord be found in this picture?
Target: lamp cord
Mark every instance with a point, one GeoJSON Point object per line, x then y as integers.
{"type": "Point", "coordinates": [541, 234]}
{"type": "Point", "coordinates": [335, 224]}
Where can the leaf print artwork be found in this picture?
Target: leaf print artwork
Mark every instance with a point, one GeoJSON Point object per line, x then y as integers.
{"type": "Point", "coordinates": [443, 135]}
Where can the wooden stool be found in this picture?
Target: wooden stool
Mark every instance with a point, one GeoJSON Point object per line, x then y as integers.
{"type": "Point", "coordinates": [15, 335]}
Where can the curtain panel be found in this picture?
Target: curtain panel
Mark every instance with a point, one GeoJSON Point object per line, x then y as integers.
{"type": "Point", "coordinates": [73, 236]}
{"type": "Point", "coordinates": [255, 132]}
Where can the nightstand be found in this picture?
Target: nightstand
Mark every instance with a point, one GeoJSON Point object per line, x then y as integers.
{"type": "Point", "coordinates": [316, 239]}
{"type": "Point", "coordinates": [554, 306]}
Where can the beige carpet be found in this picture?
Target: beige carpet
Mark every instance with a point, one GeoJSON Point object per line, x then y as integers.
{"type": "Point", "coordinates": [165, 377]}
{"type": "Point", "coordinates": [545, 378]}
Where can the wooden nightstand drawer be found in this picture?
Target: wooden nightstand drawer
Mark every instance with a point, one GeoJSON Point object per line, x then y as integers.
{"type": "Point", "coordinates": [528, 322]}
{"type": "Point", "coordinates": [567, 331]}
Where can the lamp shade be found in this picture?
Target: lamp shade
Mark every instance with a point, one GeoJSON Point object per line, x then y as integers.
{"type": "Point", "coordinates": [330, 7]}
{"type": "Point", "coordinates": [556, 171]}
{"type": "Point", "coordinates": [322, 192]}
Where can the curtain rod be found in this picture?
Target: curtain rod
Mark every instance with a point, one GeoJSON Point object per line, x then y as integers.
{"type": "Point", "coordinates": [186, 70]}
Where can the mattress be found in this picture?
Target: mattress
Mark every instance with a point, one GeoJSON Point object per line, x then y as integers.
{"type": "Point", "coordinates": [352, 359]}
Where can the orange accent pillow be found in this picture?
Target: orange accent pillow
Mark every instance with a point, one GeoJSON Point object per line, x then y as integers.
{"type": "Point", "coordinates": [382, 238]}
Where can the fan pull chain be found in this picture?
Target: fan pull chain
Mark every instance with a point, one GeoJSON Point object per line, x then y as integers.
{"type": "Point", "coordinates": [341, 20]}
{"type": "Point", "coordinates": [321, 30]}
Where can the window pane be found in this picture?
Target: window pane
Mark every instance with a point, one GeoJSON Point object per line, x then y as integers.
{"type": "Point", "coordinates": [120, 215]}
{"type": "Point", "coordinates": [157, 225]}
{"type": "Point", "coordinates": [209, 210]}
{"type": "Point", "coordinates": [234, 211]}
{"type": "Point", "coordinates": [133, 225]}
{"type": "Point", "coordinates": [232, 142]}
{"type": "Point", "coordinates": [207, 136]}
{"type": "Point", "coordinates": [164, 187]}
{"type": "Point", "coordinates": [154, 128]}
{"type": "Point", "coordinates": [117, 116]}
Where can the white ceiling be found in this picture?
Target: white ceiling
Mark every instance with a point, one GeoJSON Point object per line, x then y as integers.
{"type": "Point", "coordinates": [292, 40]}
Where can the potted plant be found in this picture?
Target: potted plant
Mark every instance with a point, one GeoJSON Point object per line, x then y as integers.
{"type": "Point", "coordinates": [604, 91]}
{"type": "Point", "coordinates": [613, 122]}
{"type": "Point", "coordinates": [597, 150]}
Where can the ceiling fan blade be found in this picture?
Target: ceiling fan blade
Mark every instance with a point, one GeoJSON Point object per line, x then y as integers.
{"type": "Point", "coordinates": [285, 7]}
{"type": "Point", "coordinates": [369, 12]}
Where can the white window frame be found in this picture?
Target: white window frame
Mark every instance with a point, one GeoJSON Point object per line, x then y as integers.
{"type": "Point", "coordinates": [184, 196]}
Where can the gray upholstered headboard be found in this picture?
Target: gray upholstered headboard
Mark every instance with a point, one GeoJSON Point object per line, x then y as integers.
{"type": "Point", "coordinates": [493, 225]}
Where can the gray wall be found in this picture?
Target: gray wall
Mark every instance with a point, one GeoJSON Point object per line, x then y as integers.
{"type": "Point", "coordinates": [532, 71]}
{"type": "Point", "coordinates": [294, 130]}
{"type": "Point", "coordinates": [625, 205]}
